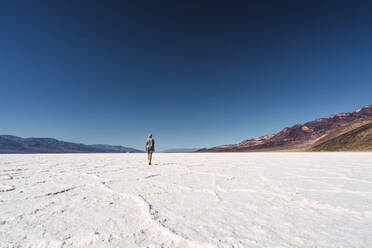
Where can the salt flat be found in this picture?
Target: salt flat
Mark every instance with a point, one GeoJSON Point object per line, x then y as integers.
{"type": "Point", "coordinates": [186, 200]}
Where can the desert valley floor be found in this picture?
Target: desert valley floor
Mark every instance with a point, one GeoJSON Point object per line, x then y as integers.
{"type": "Point", "coordinates": [186, 200]}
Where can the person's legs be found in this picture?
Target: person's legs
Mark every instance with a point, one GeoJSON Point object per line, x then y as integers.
{"type": "Point", "coordinates": [149, 156]}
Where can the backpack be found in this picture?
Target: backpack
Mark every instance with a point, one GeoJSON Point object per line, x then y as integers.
{"type": "Point", "coordinates": [150, 144]}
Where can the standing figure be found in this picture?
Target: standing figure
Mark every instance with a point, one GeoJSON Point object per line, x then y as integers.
{"type": "Point", "coordinates": [150, 147]}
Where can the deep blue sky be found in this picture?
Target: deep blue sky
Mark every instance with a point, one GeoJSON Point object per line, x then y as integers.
{"type": "Point", "coordinates": [195, 74]}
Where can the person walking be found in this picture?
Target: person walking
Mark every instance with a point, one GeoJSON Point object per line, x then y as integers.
{"type": "Point", "coordinates": [150, 147]}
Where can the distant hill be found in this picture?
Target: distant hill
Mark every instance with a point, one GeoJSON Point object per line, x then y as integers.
{"type": "Point", "coordinates": [119, 149]}
{"type": "Point", "coordinates": [303, 137]}
{"type": "Point", "coordinates": [14, 144]}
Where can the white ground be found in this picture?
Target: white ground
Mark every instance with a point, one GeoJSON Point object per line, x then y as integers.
{"type": "Point", "coordinates": [186, 200]}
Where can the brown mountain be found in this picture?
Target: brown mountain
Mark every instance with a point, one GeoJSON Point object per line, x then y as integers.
{"type": "Point", "coordinates": [302, 137]}
{"type": "Point", "coordinates": [358, 139]}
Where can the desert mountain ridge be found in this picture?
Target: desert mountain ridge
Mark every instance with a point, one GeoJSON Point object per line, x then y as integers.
{"type": "Point", "coordinates": [310, 136]}
{"type": "Point", "coordinates": [14, 144]}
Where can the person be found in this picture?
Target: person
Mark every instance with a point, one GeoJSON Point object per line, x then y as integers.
{"type": "Point", "coordinates": [150, 147]}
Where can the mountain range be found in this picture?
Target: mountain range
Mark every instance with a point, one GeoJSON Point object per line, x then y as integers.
{"type": "Point", "coordinates": [14, 144]}
{"type": "Point", "coordinates": [340, 132]}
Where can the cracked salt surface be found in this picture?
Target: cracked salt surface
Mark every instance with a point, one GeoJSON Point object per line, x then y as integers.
{"type": "Point", "coordinates": [186, 200]}
{"type": "Point", "coordinates": [4, 188]}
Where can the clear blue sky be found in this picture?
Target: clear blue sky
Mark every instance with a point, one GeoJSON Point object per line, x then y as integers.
{"type": "Point", "coordinates": [194, 74]}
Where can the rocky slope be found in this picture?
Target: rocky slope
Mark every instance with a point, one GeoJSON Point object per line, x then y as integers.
{"type": "Point", "coordinates": [301, 137]}
{"type": "Point", "coordinates": [358, 139]}
{"type": "Point", "coordinates": [14, 144]}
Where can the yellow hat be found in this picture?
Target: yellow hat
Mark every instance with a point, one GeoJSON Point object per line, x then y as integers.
{"type": "Point", "coordinates": [150, 135]}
